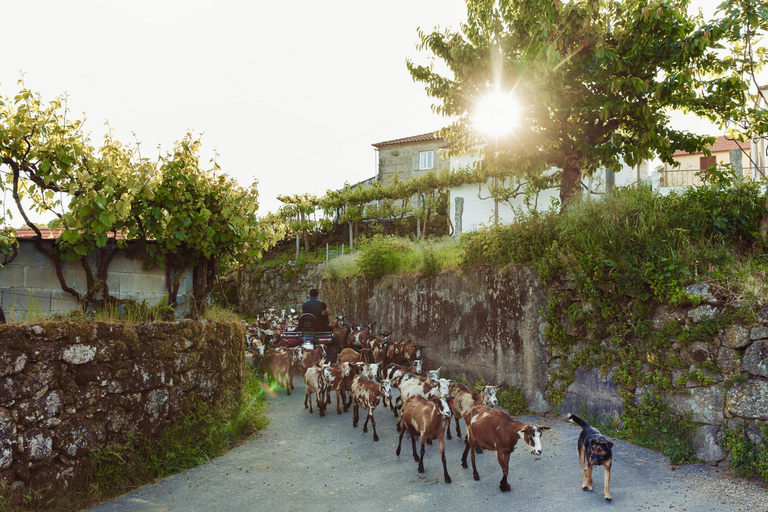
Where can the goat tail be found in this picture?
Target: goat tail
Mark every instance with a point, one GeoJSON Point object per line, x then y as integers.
{"type": "Point", "coordinates": [580, 422]}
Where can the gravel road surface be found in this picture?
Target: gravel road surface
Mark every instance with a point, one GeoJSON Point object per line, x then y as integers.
{"type": "Point", "coordinates": [307, 463]}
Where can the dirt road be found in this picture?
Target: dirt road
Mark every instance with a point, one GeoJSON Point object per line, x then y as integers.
{"type": "Point", "coordinates": [306, 463]}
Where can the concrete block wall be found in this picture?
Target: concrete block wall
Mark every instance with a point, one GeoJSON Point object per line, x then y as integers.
{"type": "Point", "coordinates": [29, 286]}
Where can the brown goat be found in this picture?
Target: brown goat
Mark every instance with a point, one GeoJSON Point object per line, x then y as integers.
{"type": "Point", "coordinates": [367, 394]}
{"type": "Point", "coordinates": [315, 382]}
{"type": "Point", "coordinates": [426, 419]}
{"type": "Point", "coordinates": [280, 365]}
{"type": "Point", "coordinates": [464, 399]}
{"type": "Point", "coordinates": [350, 355]}
{"type": "Point", "coordinates": [492, 429]}
{"type": "Point", "coordinates": [339, 377]}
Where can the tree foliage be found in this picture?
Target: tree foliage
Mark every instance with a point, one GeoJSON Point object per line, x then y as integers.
{"type": "Point", "coordinates": [595, 78]}
{"type": "Point", "coordinates": [172, 211]}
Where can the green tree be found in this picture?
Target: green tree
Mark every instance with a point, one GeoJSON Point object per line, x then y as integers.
{"type": "Point", "coordinates": [595, 80]}
{"type": "Point", "coordinates": [172, 211]}
{"type": "Point", "coordinates": [298, 212]}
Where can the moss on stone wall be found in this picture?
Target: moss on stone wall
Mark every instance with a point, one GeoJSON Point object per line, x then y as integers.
{"type": "Point", "coordinates": [68, 389]}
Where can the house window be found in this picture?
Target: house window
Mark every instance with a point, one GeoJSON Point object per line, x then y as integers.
{"type": "Point", "coordinates": [707, 162]}
{"type": "Point", "coordinates": [426, 160]}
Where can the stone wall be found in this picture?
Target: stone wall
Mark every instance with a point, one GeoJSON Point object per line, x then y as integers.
{"type": "Point", "coordinates": [480, 324]}
{"type": "Point", "coordinates": [69, 389]}
{"type": "Point", "coordinates": [489, 324]}
{"type": "Point", "coordinates": [286, 286]}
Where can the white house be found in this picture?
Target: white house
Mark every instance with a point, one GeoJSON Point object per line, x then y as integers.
{"type": "Point", "coordinates": [471, 205]}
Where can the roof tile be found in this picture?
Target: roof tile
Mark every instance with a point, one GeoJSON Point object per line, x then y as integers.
{"type": "Point", "coordinates": [425, 137]}
{"type": "Point", "coordinates": [721, 144]}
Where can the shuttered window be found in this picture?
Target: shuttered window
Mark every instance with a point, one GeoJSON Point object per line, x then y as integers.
{"type": "Point", "coordinates": [707, 162]}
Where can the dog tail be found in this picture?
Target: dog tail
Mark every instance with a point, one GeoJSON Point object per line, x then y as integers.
{"type": "Point", "coordinates": [580, 422]}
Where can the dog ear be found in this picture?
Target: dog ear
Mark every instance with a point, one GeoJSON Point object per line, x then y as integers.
{"type": "Point", "coordinates": [610, 445]}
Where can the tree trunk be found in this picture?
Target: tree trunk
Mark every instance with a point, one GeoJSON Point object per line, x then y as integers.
{"type": "Point", "coordinates": [200, 287]}
{"type": "Point", "coordinates": [570, 186]}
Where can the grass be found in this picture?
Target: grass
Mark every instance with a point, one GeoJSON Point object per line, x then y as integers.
{"type": "Point", "coordinates": [381, 255]}
{"type": "Point", "coordinates": [140, 312]}
{"type": "Point", "coordinates": [200, 436]}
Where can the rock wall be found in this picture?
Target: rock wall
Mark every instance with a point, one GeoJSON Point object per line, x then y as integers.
{"type": "Point", "coordinates": [480, 324]}
{"type": "Point", "coordinates": [69, 389]}
{"type": "Point", "coordinates": [282, 287]}
{"type": "Point", "coordinates": [489, 324]}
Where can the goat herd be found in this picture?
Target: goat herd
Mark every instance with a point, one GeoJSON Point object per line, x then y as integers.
{"type": "Point", "coordinates": [366, 377]}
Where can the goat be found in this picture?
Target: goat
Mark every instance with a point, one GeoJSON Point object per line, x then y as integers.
{"type": "Point", "coordinates": [434, 374]}
{"type": "Point", "coordinates": [395, 371]}
{"type": "Point", "coordinates": [339, 377]}
{"type": "Point", "coordinates": [464, 399]}
{"type": "Point", "coordinates": [337, 323]}
{"type": "Point", "coordinates": [340, 335]}
{"type": "Point", "coordinates": [359, 336]}
{"type": "Point", "coordinates": [280, 366]}
{"type": "Point", "coordinates": [350, 355]}
{"type": "Point", "coordinates": [425, 418]}
{"type": "Point", "coordinates": [367, 394]}
{"type": "Point", "coordinates": [495, 430]}
{"type": "Point", "coordinates": [410, 350]}
{"type": "Point", "coordinates": [316, 383]}
{"type": "Point", "coordinates": [311, 357]}
{"type": "Point", "coordinates": [411, 385]}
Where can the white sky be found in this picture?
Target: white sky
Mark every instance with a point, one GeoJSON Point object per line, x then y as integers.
{"type": "Point", "coordinates": [290, 93]}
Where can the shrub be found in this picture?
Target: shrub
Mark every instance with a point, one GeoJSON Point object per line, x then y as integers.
{"type": "Point", "coordinates": [380, 255]}
{"type": "Point", "coordinates": [513, 401]}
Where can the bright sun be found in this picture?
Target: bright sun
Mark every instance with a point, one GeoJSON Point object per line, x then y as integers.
{"type": "Point", "coordinates": [496, 114]}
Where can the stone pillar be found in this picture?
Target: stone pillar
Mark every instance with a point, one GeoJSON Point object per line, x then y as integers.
{"type": "Point", "coordinates": [610, 181]}
{"type": "Point", "coordinates": [458, 213]}
{"type": "Point", "coordinates": [738, 169]}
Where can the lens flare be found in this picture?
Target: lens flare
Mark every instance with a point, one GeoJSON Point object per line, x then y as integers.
{"type": "Point", "coordinates": [496, 114]}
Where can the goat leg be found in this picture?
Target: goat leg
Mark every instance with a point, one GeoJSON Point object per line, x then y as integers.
{"type": "Point", "coordinates": [464, 456]}
{"type": "Point", "coordinates": [413, 444]}
{"type": "Point", "coordinates": [421, 457]}
{"type": "Point", "coordinates": [373, 423]}
{"type": "Point", "coordinates": [400, 442]}
{"type": "Point", "coordinates": [441, 444]}
{"type": "Point", "coordinates": [475, 474]}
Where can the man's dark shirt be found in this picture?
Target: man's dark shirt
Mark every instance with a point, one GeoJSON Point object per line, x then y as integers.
{"type": "Point", "coordinates": [316, 307]}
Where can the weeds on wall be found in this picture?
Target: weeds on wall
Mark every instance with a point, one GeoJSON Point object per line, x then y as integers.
{"type": "Point", "coordinates": [513, 401]}
{"type": "Point", "coordinates": [746, 458]}
{"type": "Point", "coordinates": [609, 263]}
{"type": "Point", "coordinates": [200, 436]}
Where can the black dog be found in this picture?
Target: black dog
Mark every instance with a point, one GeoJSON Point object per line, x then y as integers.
{"type": "Point", "coordinates": [594, 450]}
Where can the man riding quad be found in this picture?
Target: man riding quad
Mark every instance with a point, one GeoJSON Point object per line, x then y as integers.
{"type": "Point", "coordinates": [317, 308]}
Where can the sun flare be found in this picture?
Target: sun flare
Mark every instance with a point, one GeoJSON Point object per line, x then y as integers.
{"type": "Point", "coordinates": [496, 114]}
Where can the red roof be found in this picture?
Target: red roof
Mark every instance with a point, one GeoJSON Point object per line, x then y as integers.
{"type": "Point", "coordinates": [51, 234]}
{"type": "Point", "coordinates": [426, 137]}
{"type": "Point", "coordinates": [720, 145]}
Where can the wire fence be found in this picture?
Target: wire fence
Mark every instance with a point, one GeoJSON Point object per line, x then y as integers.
{"type": "Point", "coordinates": [693, 177]}
{"type": "Point", "coordinates": [25, 304]}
